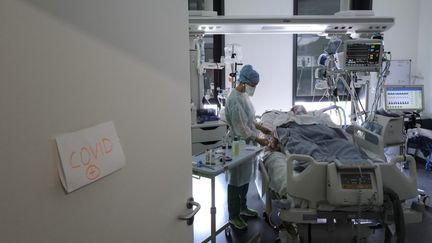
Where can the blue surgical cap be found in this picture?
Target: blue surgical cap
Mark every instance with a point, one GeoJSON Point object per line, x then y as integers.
{"type": "Point", "coordinates": [248, 75]}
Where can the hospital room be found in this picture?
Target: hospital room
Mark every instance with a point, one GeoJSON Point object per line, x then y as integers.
{"type": "Point", "coordinates": [297, 121]}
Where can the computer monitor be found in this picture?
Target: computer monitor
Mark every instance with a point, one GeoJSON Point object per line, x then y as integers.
{"type": "Point", "coordinates": [403, 97]}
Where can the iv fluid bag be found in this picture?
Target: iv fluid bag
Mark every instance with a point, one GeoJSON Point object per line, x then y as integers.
{"type": "Point", "coordinates": [233, 53]}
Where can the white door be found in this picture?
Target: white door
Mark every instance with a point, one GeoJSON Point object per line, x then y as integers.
{"type": "Point", "coordinates": [68, 65]}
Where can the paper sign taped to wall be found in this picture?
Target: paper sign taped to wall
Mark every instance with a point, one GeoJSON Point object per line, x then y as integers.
{"type": "Point", "coordinates": [88, 155]}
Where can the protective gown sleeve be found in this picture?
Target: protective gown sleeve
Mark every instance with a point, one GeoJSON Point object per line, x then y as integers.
{"type": "Point", "coordinates": [242, 122]}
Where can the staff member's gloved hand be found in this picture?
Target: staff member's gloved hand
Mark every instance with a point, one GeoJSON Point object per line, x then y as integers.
{"type": "Point", "coordinates": [266, 131]}
{"type": "Point", "coordinates": [263, 129]}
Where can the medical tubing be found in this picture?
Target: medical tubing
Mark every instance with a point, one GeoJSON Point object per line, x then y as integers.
{"type": "Point", "coordinates": [357, 101]}
{"type": "Point", "coordinates": [324, 95]}
{"type": "Point", "coordinates": [361, 105]}
{"type": "Point", "coordinates": [353, 95]}
{"type": "Point", "coordinates": [274, 226]}
{"type": "Point", "coordinates": [359, 210]}
{"type": "Point", "coordinates": [357, 220]}
{"type": "Point", "coordinates": [339, 114]}
{"type": "Point", "coordinates": [379, 88]}
{"type": "Point", "coordinates": [398, 215]}
{"type": "Point", "coordinates": [356, 97]}
{"type": "Point", "coordinates": [335, 107]}
{"type": "Point", "coordinates": [300, 77]}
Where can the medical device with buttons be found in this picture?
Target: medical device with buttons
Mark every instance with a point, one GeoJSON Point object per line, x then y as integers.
{"type": "Point", "coordinates": [363, 55]}
{"type": "Point", "coordinates": [392, 129]}
{"type": "Point", "coordinates": [352, 185]}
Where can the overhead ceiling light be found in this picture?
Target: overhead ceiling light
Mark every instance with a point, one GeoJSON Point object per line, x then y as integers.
{"type": "Point", "coordinates": [325, 24]}
{"type": "Point", "coordinates": [260, 29]}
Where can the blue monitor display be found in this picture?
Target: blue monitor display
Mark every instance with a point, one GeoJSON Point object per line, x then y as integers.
{"type": "Point", "coordinates": [403, 98]}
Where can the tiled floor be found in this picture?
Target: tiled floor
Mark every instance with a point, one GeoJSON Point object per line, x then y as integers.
{"type": "Point", "coordinates": [415, 233]}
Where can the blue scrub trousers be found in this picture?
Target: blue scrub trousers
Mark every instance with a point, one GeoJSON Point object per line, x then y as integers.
{"type": "Point", "coordinates": [237, 197]}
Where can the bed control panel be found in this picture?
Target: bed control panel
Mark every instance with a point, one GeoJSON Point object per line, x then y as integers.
{"type": "Point", "coordinates": [353, 187]}
{"type": "Point", "coordinates": [355, 181]}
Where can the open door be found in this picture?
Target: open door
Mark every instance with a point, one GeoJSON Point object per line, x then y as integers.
{"type": "Point", "coordinates": [69, 65]}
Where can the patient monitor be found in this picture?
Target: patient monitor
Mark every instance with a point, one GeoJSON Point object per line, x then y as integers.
{"type": "Point", "coordinates": [363, 55]}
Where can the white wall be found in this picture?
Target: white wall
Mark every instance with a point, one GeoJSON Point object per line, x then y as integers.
{"type": "Point", "coordinates": [271, 55]}
{"type": "Point", "coordinates": [67, 65]}
{"type": "Point", "coordinates": [410, 38]}
{"type": "Point", "coordinates": [401, 39]}
{"type": "Point", "coordinates": [424, 68]}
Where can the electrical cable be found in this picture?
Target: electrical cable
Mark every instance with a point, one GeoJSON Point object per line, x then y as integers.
{"type": "Point", "coordinates": [380, 85]}
{"type": "Point", "coordinates": [324, 95]}
{"type": "Point", "coordinates": [357, 99]}
{"type": "Point", "coordinates": [359, 209]}
{"type": "Point", "coordinates": [313, 93]}
{"type": "Point", "coordinates": [354, 97]}
{"type": "Point", "coordinates": [361, 105]}
{"type": "Point", "coordinates": [299, 79]}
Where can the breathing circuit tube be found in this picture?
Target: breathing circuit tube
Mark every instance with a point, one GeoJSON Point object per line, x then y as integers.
{"type": "Point", "coordinates": [398, 217]}
{"type": "Point", "coordinates": [337, 108]}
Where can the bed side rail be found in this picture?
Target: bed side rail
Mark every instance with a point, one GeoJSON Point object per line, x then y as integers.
{"type": "Point", "coordinates": [265, 177]}
{"type": "Point", "coordinates": [310, 184]}
{"type": "Point", "coordinates": [265, 190]}
{"type": "Point", "coordinates": [393, 178]}
{"type": "Point", "coordinates": [368, 140]}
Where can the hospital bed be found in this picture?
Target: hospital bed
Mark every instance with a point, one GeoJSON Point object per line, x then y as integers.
{"type": "Point", "coordinates": [360, 194]}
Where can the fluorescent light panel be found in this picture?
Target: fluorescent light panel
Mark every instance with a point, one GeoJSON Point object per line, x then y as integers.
{"type": "Point", "coordinates": [290, 25]}
{"type": "Point", "coordinates": [260, 29]}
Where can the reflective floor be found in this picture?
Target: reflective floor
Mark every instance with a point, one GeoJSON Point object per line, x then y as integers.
{"type": "Point", "coordinates": [259, 228]}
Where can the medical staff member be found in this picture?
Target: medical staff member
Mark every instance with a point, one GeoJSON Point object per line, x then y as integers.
{"type": "Point", "coordinates": [240, 115]}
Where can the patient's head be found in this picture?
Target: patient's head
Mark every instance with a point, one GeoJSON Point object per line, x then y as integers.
{"type": "Point", "coordinates": [299, 110]}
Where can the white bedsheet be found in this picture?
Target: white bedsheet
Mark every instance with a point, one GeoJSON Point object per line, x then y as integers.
{"type": "Point", "coordinates": [273, 119]}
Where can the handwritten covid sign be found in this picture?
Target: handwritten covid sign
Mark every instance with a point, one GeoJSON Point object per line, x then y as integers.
{"type": "Point", "coordinates": [88, 155]}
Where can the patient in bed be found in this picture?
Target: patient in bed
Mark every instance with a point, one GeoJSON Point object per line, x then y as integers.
{"type": "Point", "coordinates": [307, 133]}
{"type": "Point", "coordinates": [313, 134]}
{"type": "Point", "coordinates": [274, 142]}
{"type": "Point", "coordinates": [299, 110]}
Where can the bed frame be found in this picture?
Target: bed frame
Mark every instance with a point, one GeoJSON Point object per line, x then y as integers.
{"type": "Point", "coordinates": [310, 188]}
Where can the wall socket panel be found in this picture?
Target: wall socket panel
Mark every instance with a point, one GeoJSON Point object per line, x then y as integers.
{"type": "Point", "coordinates": [305, 61]}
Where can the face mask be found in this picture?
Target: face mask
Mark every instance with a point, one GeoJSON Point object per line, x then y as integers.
{"type": "Point", "coordinates": [250, 90]}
